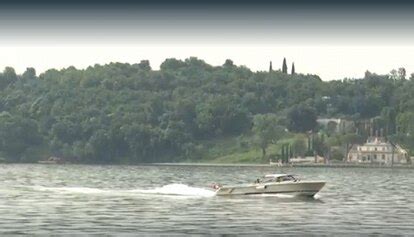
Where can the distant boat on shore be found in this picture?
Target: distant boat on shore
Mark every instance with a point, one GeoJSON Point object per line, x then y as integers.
{"type": "Point", "coordinates": [278, 163]}
{"type": "Point", "coordinates": [52, 160]}
{"type": "Point", "coordinates": [299, 160]}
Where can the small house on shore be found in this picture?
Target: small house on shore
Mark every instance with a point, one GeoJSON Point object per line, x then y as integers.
{"type": "Point", "coordinates": [379, 151]}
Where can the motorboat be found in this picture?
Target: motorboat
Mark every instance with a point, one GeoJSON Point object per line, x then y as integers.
{"type": "Point", "coordinates": [273, 184]}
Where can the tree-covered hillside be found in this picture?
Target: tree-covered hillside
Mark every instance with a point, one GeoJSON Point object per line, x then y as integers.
{"type": "Point", "coordinates": [122, 113]}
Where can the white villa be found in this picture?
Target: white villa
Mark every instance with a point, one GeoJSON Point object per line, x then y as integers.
{"type": "Point", "coordinates": [377, 150]}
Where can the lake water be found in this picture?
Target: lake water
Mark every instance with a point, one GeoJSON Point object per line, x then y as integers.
{"type": "Point", "coordinates": [116, 200]}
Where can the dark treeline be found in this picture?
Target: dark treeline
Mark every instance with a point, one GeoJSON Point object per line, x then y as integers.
{"type": "Point", "coordinates": [123, 113]}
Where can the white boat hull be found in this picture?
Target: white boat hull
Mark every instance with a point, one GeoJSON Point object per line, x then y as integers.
{"type": "Point", "coordinates": [300, 188]}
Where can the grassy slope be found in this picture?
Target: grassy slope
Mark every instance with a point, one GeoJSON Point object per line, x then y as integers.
{"type": "Point", "coordinates": [228, 151]}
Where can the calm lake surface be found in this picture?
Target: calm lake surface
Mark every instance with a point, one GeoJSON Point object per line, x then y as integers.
{"type": "Point", "coordinates": [116, 200]}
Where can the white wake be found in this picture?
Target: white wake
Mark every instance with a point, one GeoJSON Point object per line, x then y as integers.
{"type": "Point", "coordinates": [72, 189]}
{"type": "Point", "coordinates": [178, 189]}
{"type": "Point", "coordinates": [170, 189]}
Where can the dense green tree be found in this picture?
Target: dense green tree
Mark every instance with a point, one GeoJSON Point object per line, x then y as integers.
{"type": "Point", "coordinates": [144, 65]}
{"type": "Point", "coordinates": [228, 63]}
{"type": "Point", "coordinates": [405, 123]}
{"type": "Point", "coordinates": [29, 74]}
{"type": "Point", "coordinates": [402, 73]}
{"type": "Point", "coordinates": [17, 135]}
{"type": "Point", "coordinates": [7, 77]}
{"type": "Point", "coordinates": [301, 118]}
{"type": "Point", "coordinates": [172, 64]}
{"type": "Point", "coordinates": [267, 130]}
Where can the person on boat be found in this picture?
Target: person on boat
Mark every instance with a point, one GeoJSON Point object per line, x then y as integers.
{"type": "Point", "coordinates": [215, 186]}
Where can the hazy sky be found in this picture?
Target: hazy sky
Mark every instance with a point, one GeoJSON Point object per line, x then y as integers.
{"type": "Point", "coordinates": [333, 43]}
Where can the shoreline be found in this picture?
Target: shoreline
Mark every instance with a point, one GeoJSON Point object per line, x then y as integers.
{"type": "Point", "coordinates": [309, 165]}
{"type": "Point", "coordinates": [287, 166]}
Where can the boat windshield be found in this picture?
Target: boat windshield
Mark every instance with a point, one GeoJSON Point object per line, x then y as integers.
{"type": "Point", "coordinates": [272, 179]}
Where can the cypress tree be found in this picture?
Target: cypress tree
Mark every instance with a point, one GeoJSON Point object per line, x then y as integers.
{"type": "Point", "coordinates": [270, 67]}
{"type": "Point", "coordinates": [313, 142]}
{"type": "Point", "coordinates": [285, 153]}
{"type": "Point", "coordinates": [293, 69]}
{"type": "Point", "coordinates": [284, 66]}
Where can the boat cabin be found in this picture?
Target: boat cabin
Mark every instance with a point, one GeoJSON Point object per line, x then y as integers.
{"type": "Point", "coordinates": [272, 178]}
